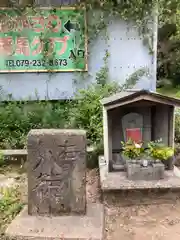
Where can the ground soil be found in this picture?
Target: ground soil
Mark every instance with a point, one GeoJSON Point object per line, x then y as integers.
{"type": "Point", "coordinates": [142, 222]}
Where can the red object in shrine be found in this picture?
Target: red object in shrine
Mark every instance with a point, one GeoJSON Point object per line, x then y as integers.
{"type": "Point", "coordinates": [134, 134]}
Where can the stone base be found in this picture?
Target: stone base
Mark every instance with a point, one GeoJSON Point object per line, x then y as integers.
{"type": "Point", "coordinates": [111, 181]}
{"type": "Point", "coordinates": [90, 226]}
{"type": "Point", "coordinates": [137, 172]}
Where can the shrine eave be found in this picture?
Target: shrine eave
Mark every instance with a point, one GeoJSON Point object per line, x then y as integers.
{"type": "Point", "coordinates": [128, 97]}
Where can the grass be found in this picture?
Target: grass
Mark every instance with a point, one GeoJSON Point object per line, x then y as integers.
{"type": "Point", "coordinates": [10, 206]}
{"type": "Point", "coordinates": [171, 92]}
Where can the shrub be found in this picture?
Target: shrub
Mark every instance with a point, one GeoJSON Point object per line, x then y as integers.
{"type": "Point", "coordinates": [18, 118]}
{"type": "Point", "coordinates": [10, 206]}
{"type": "Point", "coordinates": [87, 110]}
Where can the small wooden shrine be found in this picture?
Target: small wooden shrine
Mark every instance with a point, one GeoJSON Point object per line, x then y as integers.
{"type": "Point", "coordinates": [142, 116]}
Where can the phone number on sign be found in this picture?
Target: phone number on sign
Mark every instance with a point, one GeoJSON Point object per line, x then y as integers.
{"type": "Point", "coordinates": [36, 63]}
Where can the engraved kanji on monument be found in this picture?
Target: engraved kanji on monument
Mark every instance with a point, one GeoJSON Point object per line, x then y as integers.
{"type": "Point", "coordinates": [56, 172]}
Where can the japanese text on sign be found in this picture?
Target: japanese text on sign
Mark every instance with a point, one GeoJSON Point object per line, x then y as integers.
{"type": "Point", "coordinates": [44, 41]}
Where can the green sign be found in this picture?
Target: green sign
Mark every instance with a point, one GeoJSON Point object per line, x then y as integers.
{"type": "Point", "coordinates": [43, 40]}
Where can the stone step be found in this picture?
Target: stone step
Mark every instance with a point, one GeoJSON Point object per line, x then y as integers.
{"type": "Point", "coordinates": [118, 167]}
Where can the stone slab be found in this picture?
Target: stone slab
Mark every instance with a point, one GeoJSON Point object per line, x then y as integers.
{"type": "Point", "coordinates": [90, 226]}
{"type": "Point", "coordinates": [23, 152]}
{"type": "Point", "coordinates": [119, 181]}
{"type": "Point", "coordinates": [152, 172]}
{"type": "Point", "coordinates": [56, 172]}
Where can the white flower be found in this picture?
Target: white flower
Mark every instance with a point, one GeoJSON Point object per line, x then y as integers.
{"type": "Point", "coordinates": [138, 145]}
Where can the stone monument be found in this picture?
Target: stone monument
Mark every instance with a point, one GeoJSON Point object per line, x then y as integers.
{"type": "Point", "coordinates": [57, 207]}
{"type": "Point", "coordinates": [56, 172]}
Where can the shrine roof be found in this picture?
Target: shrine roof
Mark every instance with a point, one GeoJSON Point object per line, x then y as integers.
{"type": "Point", "coordinates": [130, 96]}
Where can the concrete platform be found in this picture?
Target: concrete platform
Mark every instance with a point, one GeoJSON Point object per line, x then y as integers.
{"type": "Point", "coordinates": [119, 181]}
{"type": "Point", "coordinates": [90, 226]}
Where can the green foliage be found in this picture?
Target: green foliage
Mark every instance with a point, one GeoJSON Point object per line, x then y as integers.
{"type": "Point", "coordinates": [134, 77]}
{"type": "Point", "coordinates": [168, 71]}
{"type": "Point", "coordinates": [87, 110]}
{"type": "Point", "coordinates": [154, 150]}
{"type": "Point", "coordinates": [131, 150]}
{"type": "Point", "coordinates": [156, 144]}
{"type": "Point", "coordinates": [162, 153]}
{"type": "Point", "coordinates": [158, 150]}
{"type": "Point", "coordinates": [102, 75]}
{"type": "Point", "coordinates": [17, 119]}
{"type": "Point", "coordinates": [10, 206]}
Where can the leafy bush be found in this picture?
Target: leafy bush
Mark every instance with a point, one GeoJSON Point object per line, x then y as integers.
{"type": "Point", "coordinates": [158, 150]}
{"type": "Point", "coordinates": [87, 110]}
{"type": "Point", "coordinates": [17, 119]}
{"type": "Point", "coordinates": [10, 206]}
